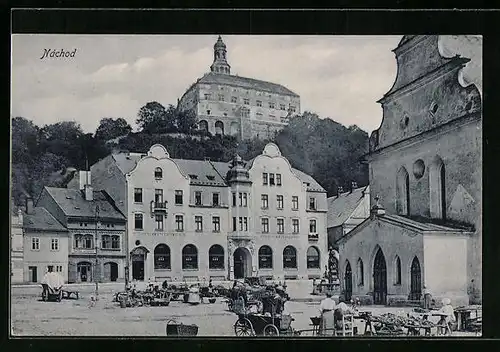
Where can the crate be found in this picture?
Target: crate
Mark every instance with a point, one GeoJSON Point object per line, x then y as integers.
{"type": "Point", "coordinates": [175, 328]}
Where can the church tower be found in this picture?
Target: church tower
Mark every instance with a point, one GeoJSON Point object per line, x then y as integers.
{"type": "Point", "coordinates": [220, 64]}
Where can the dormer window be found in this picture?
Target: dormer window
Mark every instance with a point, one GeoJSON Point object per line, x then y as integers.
{"type": "Point", "coordinates": [434, 108]}
{"type": "Point", "coordinates": [210, 177]}
{"type": "Point", "coordinates": [193, 177]}
{"type": "Point", "coordinates": [158, 173]}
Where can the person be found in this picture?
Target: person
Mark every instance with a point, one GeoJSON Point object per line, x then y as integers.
{"type": "Point", "coordinates": [427, 298]}
{"type": "Point", "coordinates": [340, 310]}
{"type": "Point", "coordinates": [164, 285]}
{"type": "Point", "coordinates": [326, 308]}
{"type": "Point", "coordinates": [447, 309]}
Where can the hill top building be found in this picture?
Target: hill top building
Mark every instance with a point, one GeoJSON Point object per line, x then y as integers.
{"type": "Point", "coordinates": [235, 105]}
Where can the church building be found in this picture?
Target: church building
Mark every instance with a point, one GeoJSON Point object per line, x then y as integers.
{"type": "Point", "coordinates": [425, 169]}
{"type": "Point", "coordinates": [235, 105]}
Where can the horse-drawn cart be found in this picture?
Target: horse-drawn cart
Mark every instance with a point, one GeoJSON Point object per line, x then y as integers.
{"type": "Point", "coordinates": [253, 324]}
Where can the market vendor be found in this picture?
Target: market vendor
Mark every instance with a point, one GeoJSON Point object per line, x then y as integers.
{"type": "Point", "coordinates": [340, 310]}
{"type": "Point", "coordinates": [447, 309]}
{"type": "Point", "coordinates": [326, 309]}
{"type": "Point", "coordinates": [427, 298]}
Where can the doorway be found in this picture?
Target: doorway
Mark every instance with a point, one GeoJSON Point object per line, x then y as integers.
{"type": "Point", "coordinates": [111, 271]}
{"type": "Point", "coordinates": [84, 271]}
{"type": "Point", "coordinates": [348, 281]}
{"type": "Point", "coordinates": [33, 275]}
{"type": "Point", "coordinates": [138, 256]}
{"type": "Point", "coordinates": [242, 263]}
{"type": "Point", "coordinates": [415, 280]}
{"type": "Point", "coordinates": [379, 279]}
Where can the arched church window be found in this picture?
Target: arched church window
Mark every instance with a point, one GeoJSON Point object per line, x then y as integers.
{"type": "Point", "coordinates": [403, 192]}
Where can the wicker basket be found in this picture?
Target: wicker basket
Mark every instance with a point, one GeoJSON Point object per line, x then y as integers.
{"type": "Point", "coordinates": [178, 329]}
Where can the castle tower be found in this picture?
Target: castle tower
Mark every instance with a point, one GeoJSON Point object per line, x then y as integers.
{"type": "Point", "coordinates": [220, 64]}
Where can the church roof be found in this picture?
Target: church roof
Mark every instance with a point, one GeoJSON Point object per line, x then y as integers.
{"type": "Point", "coordinates": [244, 82]}
{"type": "Point", "coordinates": [341, 207]}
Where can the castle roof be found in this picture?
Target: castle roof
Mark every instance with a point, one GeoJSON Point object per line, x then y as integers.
{"type": "Point", "coordinates": [244, 82]}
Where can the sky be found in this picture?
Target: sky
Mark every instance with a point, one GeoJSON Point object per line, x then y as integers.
{"type": "Point", "coordinates": [337, 77]}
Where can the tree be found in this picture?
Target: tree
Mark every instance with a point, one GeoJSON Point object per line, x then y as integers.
{"type": "Point", "coordinates": [110, 128]}
{"type": "Point", "coordinates": [25, 140]}
{"type": "Point", "coordinates": [186, 121]}
{"type": "Point", "coordinates": [154, 118]}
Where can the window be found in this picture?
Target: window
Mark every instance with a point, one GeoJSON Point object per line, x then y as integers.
{"type": "Point", "coordinates": [397, 273]}
{"type": "Point", "coordinates": [264, 178]}
{"type": "Point", "coordinates": [312, 203]}
{"type": "Point", "coordinates": [403, 192]}
{"type": "Point", "coordinates": [259, 102]}
{"type": "Point", "coordinates": [279, 200]}
{"type": "Point", "coordinates": [234, 199]}
{"type": "Point", "coordinates": [88, 242]}
{"type": "Point", "coordinates": [59, 268]}
{"type": "Point", "coordinates": [278, 179]}
{"type": "Point", "coordinates": [189, 257]}
{"type": "Point", "coordinates": [282, 107]}
{"type": "Point", "coordinates": [235, 227]}
{"type": "Point", "coordinates": [281, 225]}
{"type": "Point", "coordinates": [265, 201]}
{"type": "Point", "coordinates": [179, 223]}
{"type": "Point", "coordinates": [289, 257]}
{"type": "Point", "coordinates": [246, 101]}
{"type": "Point", "coordinates": [138, 221]}
{"type": "Point", "coordinates": [35, 243]}
{"type": "Point", "coordinates": [216, 223]}
{"type": "Point", "coordinates": [106, 242]}
{"type": "Point", "coordinates": [295, 202]}
{"type": "Point", "coordinates": [215, 199]}
{"type": "Point", "coordinates": [221, 97]}
{"type": "Point", "coordinates": [178, 197]}
{"type": "Point", "coordinates": [245, 112]}
{"type": "Point", "coordinates": [292, 108]}
{"type": "Point", "coordinates": [295, 225]}
{"type": "Point", "coordinates": [312, 226]}
{"type": "Point", "coordinates": [138, 195]}
{"type": "Point", "coordinates": [198, 220]}
{"type": "Point", "coordinates": [54, 244]}
{"type": "Point", "coordinates": [245, 223]}
{"type": "Point", "coordinates": [265, 225]}
{"type": "Point", "coordinates": [50, 268]}
{"type": "Point", "coordinates": [115, 242]}
{"type": "Point", "coordinates": [361, 273]}
{"type": "Point", "coordinates": [216, 257]}
{"type": "Point", "coordinates": [207, 96]}
{"type": "Point", "coordinates": [271, 179]}
{"type": "Point", "coordinates": [162, 257]}
{"type": "Point", "coordinates": [197, 198]}
{"type": "Point", "coordinates": [234, 99]}
{"type": "Point", "coordinates": [259, 116]}
{"type": "Point", "coordinates": [312, 258]}
{"type": "Point", "coordinates": [158, 196]}
{"type": "Point", "coordinates": [243, 200]}
{"type": "Point", "coordinates": [159, 222]}
{"type": "Point", "coordinates": [271, 105]}
{"type": "Point", "coordinates": [158, 173]}
{"type": "Point", "coordinates": [208, 112]}
{"type": "Point", "coordinates": [265, 257]}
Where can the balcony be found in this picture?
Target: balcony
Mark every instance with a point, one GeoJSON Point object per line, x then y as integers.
{"type": "Point", "coordinates": [313, 237]}
{"type": "Point", "coordinates": [240, 235]}
{"type": "Point", "coordinates": [159, 207]}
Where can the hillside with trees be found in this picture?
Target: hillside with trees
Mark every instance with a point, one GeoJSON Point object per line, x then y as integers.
{"type": "Point", "coordinates": [42, 155]}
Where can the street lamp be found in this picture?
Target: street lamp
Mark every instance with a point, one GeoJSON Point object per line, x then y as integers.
{"type": "Point", "coordinates": [96, 247]}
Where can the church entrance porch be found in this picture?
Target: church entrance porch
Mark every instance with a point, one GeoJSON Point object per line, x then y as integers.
{"type": "Point", "coordinates": [242, 263]}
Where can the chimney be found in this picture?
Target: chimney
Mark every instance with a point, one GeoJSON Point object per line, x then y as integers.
{"type": "Point", "coordinates": [354, 185]}
{"type": "Point", "coordinates": [89, 193]}
{"type": "Point", "coordinates": [340, 190]}
{"type": "Point", "coordinates": [29, 205]}
{"type": "Point", "coordinates": [84, 179]}
{"type": "Point", "coordinates": [19, 217]}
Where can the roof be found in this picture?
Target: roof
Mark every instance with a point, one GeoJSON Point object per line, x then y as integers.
{"type": "Point", "coordinates": [73, 203]}
{"type": "Point", "coordinates": [244, 82]}
{"type": "Point", "coordinates": [422, 226]}
{"type": "Point", "coordinates": [203, 168]}
{"type": "Point", "coordinates": [340, 208]}
{"type": "Point", "coordinates": [41, 219]}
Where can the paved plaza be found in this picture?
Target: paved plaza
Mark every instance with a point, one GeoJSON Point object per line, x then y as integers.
{"type": "Point", "coordinates": [33, 317]}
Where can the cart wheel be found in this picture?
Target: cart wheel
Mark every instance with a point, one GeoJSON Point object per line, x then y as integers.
{"type": "Point", "coordinates": [243, 327]}
{"type": "Point", "coordinates": [271, 330]}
